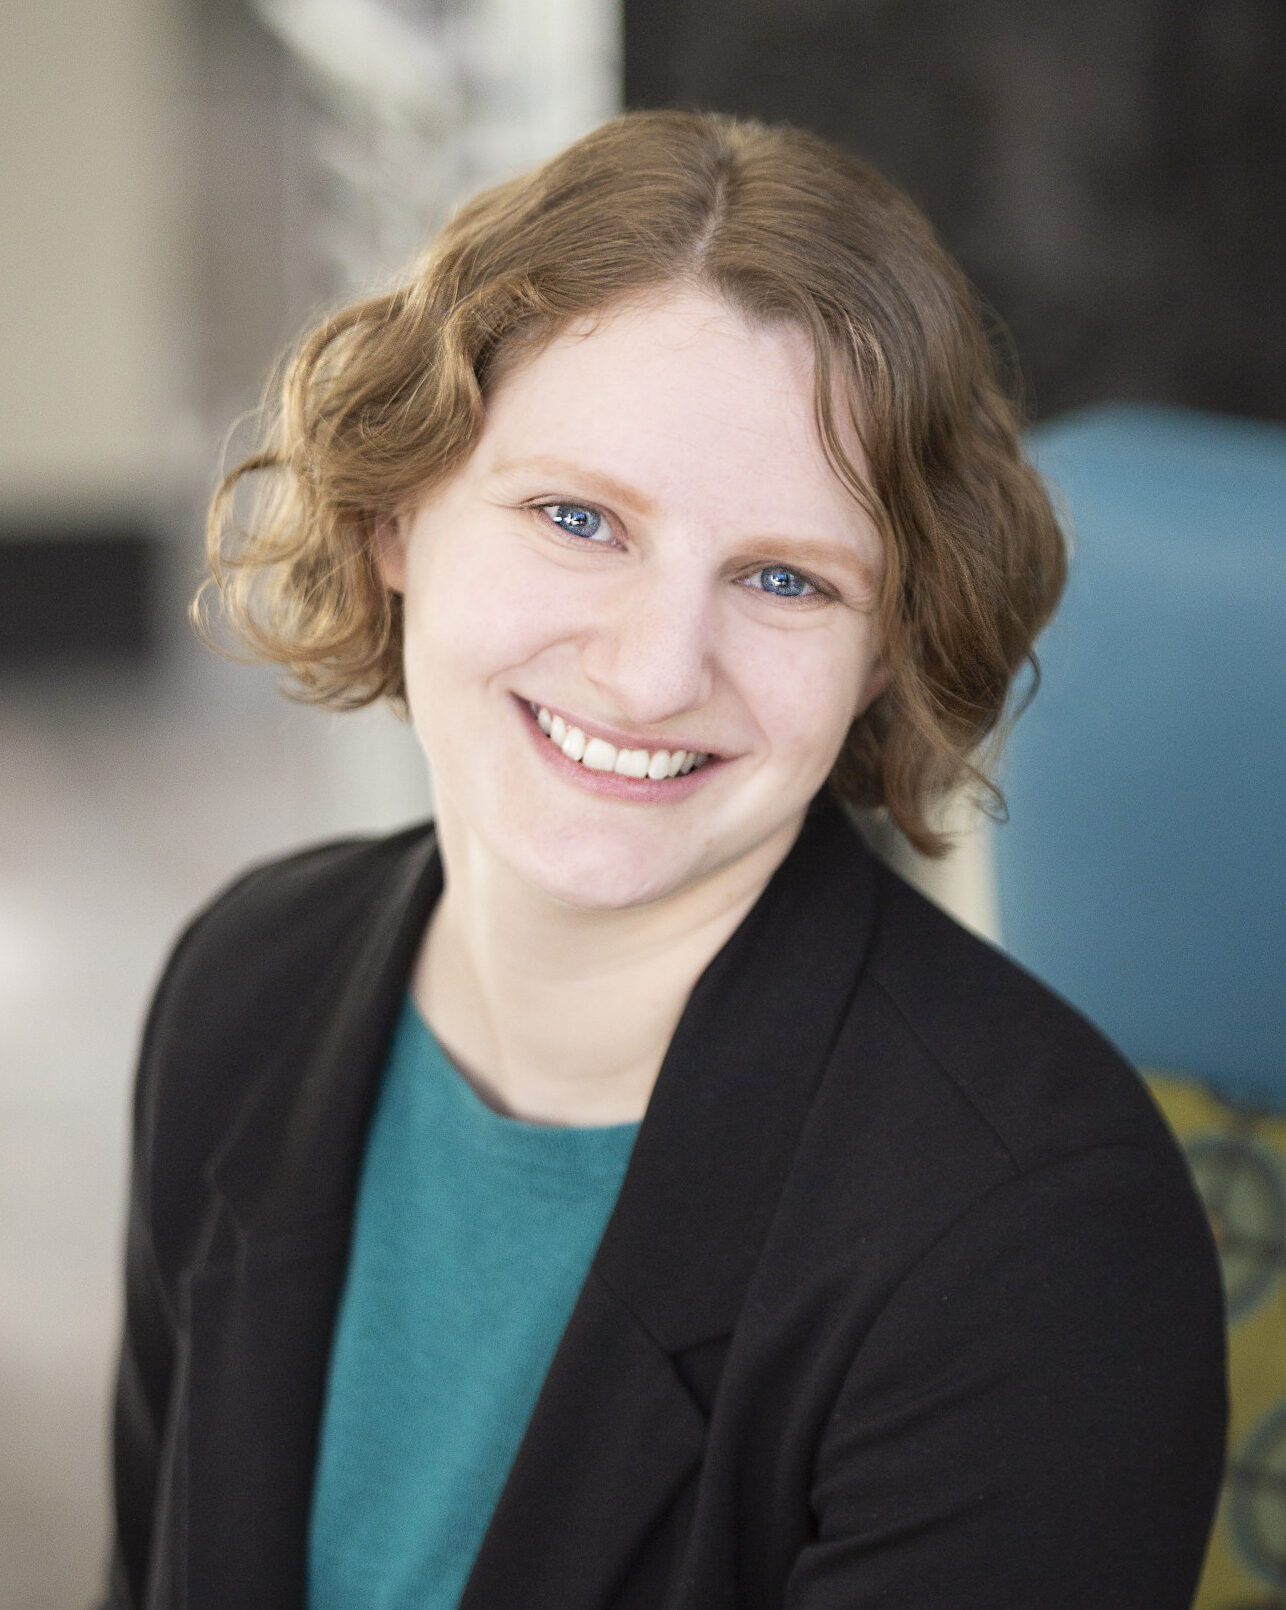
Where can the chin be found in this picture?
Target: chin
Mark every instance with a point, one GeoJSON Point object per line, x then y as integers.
{"type": "Point", "coordinates": [605, 876]}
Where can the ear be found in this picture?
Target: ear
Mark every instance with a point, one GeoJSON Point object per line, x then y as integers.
{"type": "Point", "coordinates": [389, 541]}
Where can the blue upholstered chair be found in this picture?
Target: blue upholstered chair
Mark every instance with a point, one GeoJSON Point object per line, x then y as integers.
{"type": "Point", "coordinates": [1143, 870]}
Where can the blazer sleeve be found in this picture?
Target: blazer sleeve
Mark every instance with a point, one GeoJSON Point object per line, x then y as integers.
{"type": "Point", "coordinates": [1036, 1421]}
{"type": "Point", "coordinates": [149, 1343]}
{"type": "Point", "coordinates": [169, 1203]}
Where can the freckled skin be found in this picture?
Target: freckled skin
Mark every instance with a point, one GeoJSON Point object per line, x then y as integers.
{"type": "Point", "coordinates": [672, 623]}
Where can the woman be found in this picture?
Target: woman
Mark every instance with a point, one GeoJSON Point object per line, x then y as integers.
{"type": "Point", "coordinates": [627, 1192]}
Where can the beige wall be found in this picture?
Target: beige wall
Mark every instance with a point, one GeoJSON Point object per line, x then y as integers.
{"type": "Point", "coordinates": [91, 151]}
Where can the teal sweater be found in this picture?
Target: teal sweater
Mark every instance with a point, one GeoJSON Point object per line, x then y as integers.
{"type": "Point", "coordinates": [472, 1237]}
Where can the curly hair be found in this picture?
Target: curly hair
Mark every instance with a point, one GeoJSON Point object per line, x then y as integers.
{"type": "Point", "coordinates": [386, 398]}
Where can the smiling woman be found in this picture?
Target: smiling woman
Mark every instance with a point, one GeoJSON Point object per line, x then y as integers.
{"type": "Point", "coordinates": [625, 1192]}
{"type": "Point", "coordinates": [388, 398]}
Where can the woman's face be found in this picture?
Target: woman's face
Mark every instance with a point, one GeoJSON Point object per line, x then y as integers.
{"type": "Point", "coordinates": [647, 553]}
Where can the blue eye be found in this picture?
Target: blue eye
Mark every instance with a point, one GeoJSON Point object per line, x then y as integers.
{"type": "Point", "coordinates": [575, 519]}
{"type": "Point", "coordinates": [782, 583]}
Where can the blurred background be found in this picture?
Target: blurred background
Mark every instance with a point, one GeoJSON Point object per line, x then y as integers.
{"type": "Point", "coordinates": [184, 184]}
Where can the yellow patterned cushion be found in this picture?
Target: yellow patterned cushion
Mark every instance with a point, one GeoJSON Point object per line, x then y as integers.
{"type": "Point", "coordinates": [1238, 1159]}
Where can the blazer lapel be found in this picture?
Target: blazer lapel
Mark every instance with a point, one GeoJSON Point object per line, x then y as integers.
{"type": "Point", "coordinates": [615, 1432]}
{"type": "Point", "coordinates": [613, 1438]}
{"type": "Point", "coordinates": [259, 1343]}
{"type": "Point", "coordinates": [262, 1306]}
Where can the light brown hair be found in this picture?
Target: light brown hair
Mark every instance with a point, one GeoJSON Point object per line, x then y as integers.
{"type": "Point", "coordinates": [386, 398]}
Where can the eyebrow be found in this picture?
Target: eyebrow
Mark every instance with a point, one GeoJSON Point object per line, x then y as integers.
{"type": "Point", "coordinates": [592, 480]}
{"type": "Point", "coordinates": [814, 551]}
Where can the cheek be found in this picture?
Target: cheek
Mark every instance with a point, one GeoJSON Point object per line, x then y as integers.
{"type": "Point", "coordinates": [475, 613]}
{"type": "Point", "coordinates": [806, 695]}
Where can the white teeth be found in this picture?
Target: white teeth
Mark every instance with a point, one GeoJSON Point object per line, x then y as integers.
{"type": "Point", "coordinates": [632, 762]}
{"type": "Point", "coordinates": [599, 755]}
{"type": "Point", "coordinates": [596, 754]}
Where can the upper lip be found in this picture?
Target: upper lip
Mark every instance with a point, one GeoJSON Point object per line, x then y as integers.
{"type": "Point", "coordinates": [617, 738]}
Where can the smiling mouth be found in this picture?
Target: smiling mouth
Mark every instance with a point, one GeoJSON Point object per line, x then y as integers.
{"type": "Point", "coordinates": [596, 754]}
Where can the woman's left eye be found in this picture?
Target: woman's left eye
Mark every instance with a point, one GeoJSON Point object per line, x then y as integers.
{"type": "Point", "coordinates": [779, 582]}
{"type": "Point", "coordinates": [577, 520]}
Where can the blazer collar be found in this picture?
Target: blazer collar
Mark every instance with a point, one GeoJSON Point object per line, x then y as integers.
{"type": "Point", "coordinates": [715, 1145]}
{"type": "Point", "coordinates": [734, 1089]}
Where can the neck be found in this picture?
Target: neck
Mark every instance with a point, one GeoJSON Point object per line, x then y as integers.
{"type": "Point", "coordinates": [556, 1013]}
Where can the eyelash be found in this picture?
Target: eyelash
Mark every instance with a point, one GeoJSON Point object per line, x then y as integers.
{"type": "Point", "coordinates": [817, 589]}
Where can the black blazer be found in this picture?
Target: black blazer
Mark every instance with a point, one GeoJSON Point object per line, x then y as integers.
{"type": "Point", "coordinates": [906, 1300]}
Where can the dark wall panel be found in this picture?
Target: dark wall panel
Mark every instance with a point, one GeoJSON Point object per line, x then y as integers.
{"type": "Point", "coordinates": [1108, 171]}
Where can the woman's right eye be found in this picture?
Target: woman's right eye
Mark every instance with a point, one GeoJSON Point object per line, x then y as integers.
{"type": "Point", "coordinates": [578, 520]}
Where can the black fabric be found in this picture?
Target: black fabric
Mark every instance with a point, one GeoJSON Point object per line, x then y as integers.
{"type": "Point", "coordinates": [906, 1301]}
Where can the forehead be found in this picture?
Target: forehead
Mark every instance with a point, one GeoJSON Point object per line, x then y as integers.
{"type": "Point", "coordinates": [686, 400]}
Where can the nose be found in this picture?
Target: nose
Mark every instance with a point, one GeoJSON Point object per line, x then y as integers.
{"type": "Point", "coordinates": [651, 649]}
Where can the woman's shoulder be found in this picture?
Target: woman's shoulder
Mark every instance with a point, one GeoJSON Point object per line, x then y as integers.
{"type": "Point", "coordinates": [1034, 1072]}
{"type": "Point", "coordinates": [255, 959]}
{"type": "Point", "coordinates": [275, 924]}
{"type": "Point", "coordinates": [294, 901]}
{"type": "Point", "coordinates": [970, 1127]}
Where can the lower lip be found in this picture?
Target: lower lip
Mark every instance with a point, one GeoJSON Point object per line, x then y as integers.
{"type": "Point", "coordinates": [610, 784]}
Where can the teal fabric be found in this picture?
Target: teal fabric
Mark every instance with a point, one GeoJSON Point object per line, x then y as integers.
{"type": "Point", "coordinates": [472, 1238]}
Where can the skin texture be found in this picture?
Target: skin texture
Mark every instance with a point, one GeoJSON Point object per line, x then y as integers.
{"type": "Point", "coordinates": [578, 913]}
